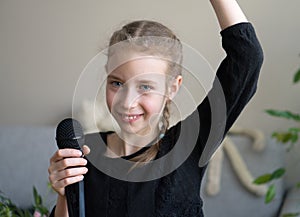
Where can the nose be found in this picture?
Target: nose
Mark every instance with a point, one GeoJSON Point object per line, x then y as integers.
{"type": "Point", "coordinates": [129, 98]}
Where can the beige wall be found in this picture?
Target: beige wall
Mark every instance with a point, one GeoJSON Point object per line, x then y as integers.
{"type": "Point", "coordinates": [46, 44]}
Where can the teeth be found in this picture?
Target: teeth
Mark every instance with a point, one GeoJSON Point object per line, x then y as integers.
{"type": "Point", "coordinates": [130, 117]}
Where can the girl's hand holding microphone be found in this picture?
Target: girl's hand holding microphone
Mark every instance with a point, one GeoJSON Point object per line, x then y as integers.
{"type": "Point", "coordinates": [67, 166]}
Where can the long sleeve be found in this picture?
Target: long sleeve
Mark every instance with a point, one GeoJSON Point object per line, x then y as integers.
{"type": "Point", "coordinates": [235, 84]}
{"type": "Point", "coordinates": [239, 71]}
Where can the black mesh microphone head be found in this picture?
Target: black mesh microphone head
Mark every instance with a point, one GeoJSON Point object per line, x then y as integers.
{"type": "Point", "coordinates": [69, 134]}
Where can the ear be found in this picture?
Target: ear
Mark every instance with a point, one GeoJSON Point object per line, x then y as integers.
{"type": "Point", "coordinates": [175, 86]}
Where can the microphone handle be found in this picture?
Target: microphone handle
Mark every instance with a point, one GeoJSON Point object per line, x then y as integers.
{"type": "Point", "coordinates": [81, 199]}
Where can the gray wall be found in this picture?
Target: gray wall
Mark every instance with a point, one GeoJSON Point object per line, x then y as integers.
{"type": "Point", "coordinates": [44, 46]}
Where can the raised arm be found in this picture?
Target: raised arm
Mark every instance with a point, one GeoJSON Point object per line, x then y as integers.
{"type": "Point", "coordinates": [236, 78]}
{"type": "Point", "coordinates": [228, 12]}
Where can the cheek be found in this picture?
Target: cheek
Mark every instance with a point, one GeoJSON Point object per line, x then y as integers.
{"type": "Point", "coordinates": [109, 99]}
{"type": "Point", "coordinates": [154, 104]}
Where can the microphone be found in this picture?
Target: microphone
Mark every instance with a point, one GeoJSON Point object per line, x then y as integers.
{"type": "Point", "coordinates": [69, 134]}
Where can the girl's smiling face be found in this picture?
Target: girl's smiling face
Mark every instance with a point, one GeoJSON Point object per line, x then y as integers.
{"type": "Point", "coordinates": [136, 93]}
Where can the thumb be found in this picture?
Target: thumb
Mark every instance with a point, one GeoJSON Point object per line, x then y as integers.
{"type": "Point", "coordinates": [85, 149]}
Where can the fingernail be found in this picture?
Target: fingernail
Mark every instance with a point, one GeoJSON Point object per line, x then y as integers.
{"type": "Point", "coordinates": [78, 152]}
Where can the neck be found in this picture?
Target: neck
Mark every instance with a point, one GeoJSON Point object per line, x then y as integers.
{"type": "Point", "coordinates": [124, 144]}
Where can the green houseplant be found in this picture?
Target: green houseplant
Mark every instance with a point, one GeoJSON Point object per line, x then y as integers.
{"type": "Point", "coordinates": [289, 138]}
{"type": "Point", "coordinates": [10, 209]}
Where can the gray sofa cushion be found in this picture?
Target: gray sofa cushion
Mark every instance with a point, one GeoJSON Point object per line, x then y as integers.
{"type": "Point", "coordinates": [25, 154]}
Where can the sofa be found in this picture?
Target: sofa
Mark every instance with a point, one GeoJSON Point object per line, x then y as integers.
{"type": "Point", "coordinates": [25, 152]}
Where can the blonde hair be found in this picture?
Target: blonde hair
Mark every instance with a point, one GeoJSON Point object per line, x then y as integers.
{"type": "Point", "coordinates": [150, 37]}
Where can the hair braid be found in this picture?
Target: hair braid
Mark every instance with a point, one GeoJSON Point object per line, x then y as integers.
{"type": "Point", "coordinates": [151, 153]}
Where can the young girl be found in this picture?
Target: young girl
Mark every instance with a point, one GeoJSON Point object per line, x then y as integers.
{"type": "Point", "coordinates": [139, 91]}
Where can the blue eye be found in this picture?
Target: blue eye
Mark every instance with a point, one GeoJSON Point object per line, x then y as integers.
{"type": "Point", "coordinates": [145, 87]}
{"type": "Point", "coordinates": [116, 84]}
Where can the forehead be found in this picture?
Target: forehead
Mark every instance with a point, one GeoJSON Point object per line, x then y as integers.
{"type": "Point", "coordinates": [139, 67]}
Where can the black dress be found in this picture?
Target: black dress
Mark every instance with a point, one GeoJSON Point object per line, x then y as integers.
{"type": "Point", "coordinates": [177, 194]}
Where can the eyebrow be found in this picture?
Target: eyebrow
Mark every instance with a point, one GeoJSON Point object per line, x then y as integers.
{"type": "Point", "coordinates": [113, 77]}
{"type": "Point", "coordinates": [147, 81]}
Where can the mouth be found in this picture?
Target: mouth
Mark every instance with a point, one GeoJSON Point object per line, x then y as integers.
{"type": "Point", "coordinates": [131, 117]}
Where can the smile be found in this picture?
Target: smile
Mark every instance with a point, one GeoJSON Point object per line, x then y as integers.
{"type": "Point", "coordinates": [131, 118]}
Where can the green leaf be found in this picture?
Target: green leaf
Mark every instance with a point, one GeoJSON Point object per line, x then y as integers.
{"type": "Point", "coordinates": [26, 213]}
{"type": "Point", "coordinates": [270, 195]}
{"type": "Point", "coordinates": [298, 185]}
{"type": "Point", "coordinates": [6, 212]}
{"type": "Point", "coordinates": [294, 138]}
{"type": "Point", "coordinates": [37, 198]}
{"type": "Point", "coordinates": [263, 179]}
{"type": "Point", "coordinates": [278, 173]}
{"type": "Point", "coordinates": [282, 137]}
{"type": "Point", "coordinates": [291, 214]}
{"type": "Point", "coordinates": [297, 77]}
{"type": "Point", "coordinates": [286, 137]}
{"type": "Point", "coordinates": [283, 114]}
{"type": "Point", "coordinates": [294, 129]}
{"type": "Point", "coordinates": [43, 210]}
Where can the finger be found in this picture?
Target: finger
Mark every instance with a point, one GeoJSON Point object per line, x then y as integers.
{"type": "Point", "coordinates": [64, 153]}
{"type": "Point", "coordinates": [65, 163]}
{"type": "Point", "coordinates": [69, 162]}
{"type": "Point", "coordinates": [60, 179]}
{"type": "Point", "coordinates": [67, 181]}
{"type": "Point", "coordinates": [67, 173]}
{"type": "Point", "coordinates": [86, 150]}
